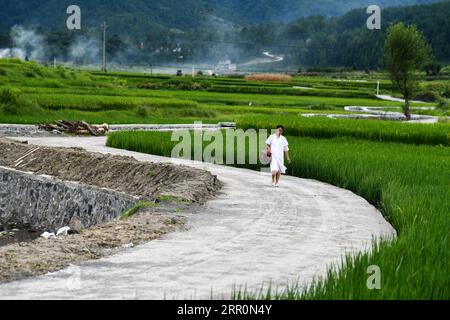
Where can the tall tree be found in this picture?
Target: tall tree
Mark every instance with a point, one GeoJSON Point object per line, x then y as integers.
{"type": "Point", "coordinates": [405, 53]}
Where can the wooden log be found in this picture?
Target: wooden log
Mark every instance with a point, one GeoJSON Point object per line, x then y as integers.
{"type": "Point", "coordinates": [64, 124]}
{"type": "Point", "coordinates": [89, 128]}
{"type": "Point", "coordinates": [83, 132]}
{"type": "Point", "coordinates": [76, 127]}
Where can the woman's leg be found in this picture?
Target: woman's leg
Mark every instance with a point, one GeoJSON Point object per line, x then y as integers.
{"type": "Point", "coordinates": [277, 177]}
{"type": "Point", "coordinates": [274, 170]}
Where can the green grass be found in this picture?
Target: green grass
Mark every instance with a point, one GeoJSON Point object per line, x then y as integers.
{"type": "Point", "coordinates": [275, 100]}
{"type": "Point", "coordinates": [134, 209]}
{"type": "Point", "coordinates": [170, 198]}
{"type": "Point", "coordinates": [119, 97]}
{"type": "Point", "coordinates": [383, 131]}
{"type": "Point", "coordinates": [161, 116]}
{"type": "Point", "coordinates": [103, 103]}
{"type": "Point", "coordinates": [408, 183]}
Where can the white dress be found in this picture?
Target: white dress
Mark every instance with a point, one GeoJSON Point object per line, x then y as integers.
{"type": "Point", "coordinates": [278, 145]}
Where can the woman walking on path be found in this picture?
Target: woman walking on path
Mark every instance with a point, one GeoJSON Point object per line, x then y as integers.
{"type": "Point", "coordinates": [277, 148]}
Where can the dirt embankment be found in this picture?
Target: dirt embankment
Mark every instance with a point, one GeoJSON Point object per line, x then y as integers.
{"type": "Point", "coordinates": [124, 174]}
{"type": "Point", "coordinates": [150, 181]}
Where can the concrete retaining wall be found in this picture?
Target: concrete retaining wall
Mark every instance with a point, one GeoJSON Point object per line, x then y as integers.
{"type": "Point", "coordinates": [25, 130]}
{"type": "Point", "coordinates": [46, 203]}
{"type": "Point", "coordinates": [22, 130]}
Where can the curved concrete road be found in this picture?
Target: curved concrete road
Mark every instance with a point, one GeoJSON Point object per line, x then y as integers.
{"type": "Point", "coordinates": [386, 97]}
{"type": "Point", "coordinates": [241, 238]}
{"type": "Point", "coordinates": [365, 112]}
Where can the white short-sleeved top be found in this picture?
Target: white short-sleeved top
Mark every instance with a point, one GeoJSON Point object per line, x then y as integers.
{"type": "Point", "coordinates": [277, 144]}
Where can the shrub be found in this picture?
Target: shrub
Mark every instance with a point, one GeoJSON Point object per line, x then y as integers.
{"type": "Point", "coordinates": [427, 96]}
{"type": "Point", "coordinates": [446, 70]}
{"type": "Point", "coordinates": [235, 76]}
{"type": "Point", "coordinates": [24, 107]}
{"type": "Point", "coordinates": [446, 93]}
{"type": "Point", "coordinates": [432, 69]}
{"type": "Point", "coordinates": [149, 85]}
{"type": "Point", "coordinates": [185, 84]}
{"type": "Point", "coordinates": [195, 113]}
{"type": "Point", "coordinates": [13, 104]}
{"type": "Point", "coordinates": [142, 112]}
{"type": "Point", "coordinates": [321, 106]}
{"type": "Point", "coordinates": [38, 70]}
{"type": "Point", "coordinates": [444, 104]}
{"type": "Point", "coordinates": [7, 96]}
{"type": "Point", "coordinates": [30, 74]}
{"type": "Point", "coordinates": [50, 83]}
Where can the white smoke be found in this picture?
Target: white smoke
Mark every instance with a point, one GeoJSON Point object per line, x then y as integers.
{"type": "Point", "coordinates": [26, 43]}
{"type": "Point", "coordinates": [85, 50]}
{"type": "Point", "coordinates": [12, 53]}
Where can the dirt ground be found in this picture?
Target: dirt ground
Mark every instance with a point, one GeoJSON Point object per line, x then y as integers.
{"type": "Point", "coordinates": [41, 255]}
{"type": "Point", "coordinates": [124, 174]}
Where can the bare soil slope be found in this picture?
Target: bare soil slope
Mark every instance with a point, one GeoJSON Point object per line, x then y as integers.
{"type": "Point", "coordinates": [124, 174]}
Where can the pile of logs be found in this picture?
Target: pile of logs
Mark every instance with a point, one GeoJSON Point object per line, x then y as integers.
{"type": "Point", "coordinates": [75, 127]}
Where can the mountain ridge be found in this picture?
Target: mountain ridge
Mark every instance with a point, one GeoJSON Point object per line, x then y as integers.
{"type": "Point", "coordinates": [139, 15]}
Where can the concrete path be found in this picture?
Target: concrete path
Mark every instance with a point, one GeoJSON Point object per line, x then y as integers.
{"type": "Point", "coordinates": [392, 115]}
{"type": "Point", "coordinates": [379, 113]}
{"type": "Point", "coordinates": [250, 235]}
{"type": "Point", "coordinates": [32, 130]}
{"type": "Point", "coordinates": [391, 98]}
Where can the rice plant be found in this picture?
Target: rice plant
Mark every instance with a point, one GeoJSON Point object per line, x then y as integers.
{"type": "Point", "coordinates": [383, 131]}
{"type": "Point", "coordinates": [408, 183]}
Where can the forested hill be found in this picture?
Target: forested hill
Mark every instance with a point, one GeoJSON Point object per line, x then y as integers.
{"type": "Point", "coordinates": [286, 10]}
{"type": "Point", "coordinates": [137, 16]}
{"type": "Point", "coordinates": [346, 41]}
{"type": "Point", "coordinates": [185, 31]}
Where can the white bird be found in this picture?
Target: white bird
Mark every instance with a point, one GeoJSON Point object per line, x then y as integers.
{"type": "Point", "coordinates": [48, 235]}
{"type": "Point", "coordinates": [62, 231]}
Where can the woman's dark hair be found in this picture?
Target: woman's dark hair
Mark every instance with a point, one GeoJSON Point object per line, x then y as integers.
{"type": "Point", "coordinates": [280, 126]}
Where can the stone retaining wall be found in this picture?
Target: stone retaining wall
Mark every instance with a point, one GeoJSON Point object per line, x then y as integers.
{"type": "Point", "coordinates": [46, 203]}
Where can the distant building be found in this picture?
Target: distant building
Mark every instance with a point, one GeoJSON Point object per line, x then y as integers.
{"type": "Point", "coordinates": [224, 66]}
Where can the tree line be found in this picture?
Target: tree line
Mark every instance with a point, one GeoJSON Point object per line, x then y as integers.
{"type": "Point", "coordinates": [307, 42]}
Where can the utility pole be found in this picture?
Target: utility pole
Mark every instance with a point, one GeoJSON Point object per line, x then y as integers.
{"type": "Point", "coordinates": [104, 47]}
